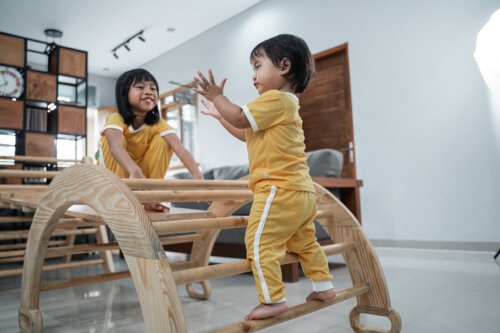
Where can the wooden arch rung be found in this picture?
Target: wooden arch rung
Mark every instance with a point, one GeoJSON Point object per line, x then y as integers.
{"type": "Point", "coordinates": [217, 223]}
{"type": "Point", "coordinates": [40, 159]}
{"type": "Point", "coordinates": [17, 271]}
{"type": "Point", "coordinates": [242, 266]}
{"type": "Point", "coordinates": [294, 312]}
{"type": "Point", "coordinates": [202, 195]}
{"type": "Point", "coordinates": [28, 174]}
{"type": "Point", "coordinates": [62, 232]}
{"type": "Point", "coordinates": [186, 184]}
{"type": "Point", "coordinates": [172, 227]}
{"type": "Point", "coordinates": [98, 247]}
{"type": "Point", "coordinates": [22, 188]}
{"type": "Point", "coordinates": [15, 219]}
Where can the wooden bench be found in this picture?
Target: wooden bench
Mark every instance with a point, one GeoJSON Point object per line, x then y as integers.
{"type": "Point", "coordinates": [118, 204]}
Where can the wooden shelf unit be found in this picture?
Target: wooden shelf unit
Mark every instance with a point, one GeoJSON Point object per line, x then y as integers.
{"type": "Point", "coordinates": [55, 84]}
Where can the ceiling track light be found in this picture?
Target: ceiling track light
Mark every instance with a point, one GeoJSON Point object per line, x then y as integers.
{"type": "Point", "coordinates": [125, 44]}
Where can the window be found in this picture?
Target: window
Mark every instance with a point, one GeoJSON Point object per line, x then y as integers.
{"type": "Point", "coordinates": [7, 144]}
{"type": "Point", "coordinates": [179, 108]}
{"type": "Point", "coordinates": [71, 148]}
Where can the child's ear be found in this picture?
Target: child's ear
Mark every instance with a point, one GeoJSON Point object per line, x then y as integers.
{"type": "Point", "coordinates": [285, 66]}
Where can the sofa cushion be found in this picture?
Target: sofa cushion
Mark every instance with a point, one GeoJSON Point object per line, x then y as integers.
{"type": "Point", "coordinates": [231, 172]}
{"type": "Point", "coordinates": [208, 174]}
{"type": "Point", "coordinates": [325, 163]}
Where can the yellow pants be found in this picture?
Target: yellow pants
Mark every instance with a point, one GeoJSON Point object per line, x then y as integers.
{"type": "Point", "coordinates": [282, 220]}
{"type": "Point", "coordinates": [153, 159]}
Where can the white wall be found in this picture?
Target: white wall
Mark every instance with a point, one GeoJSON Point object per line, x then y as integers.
{"type": "Point", "coordinates": [106, 89]}
{"type": "Point", "coordinates": [105, 97]}
{"type": "Point", "coordinates": [422, 123]}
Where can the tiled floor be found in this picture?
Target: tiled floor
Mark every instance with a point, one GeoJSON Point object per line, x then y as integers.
{"type": "Point", "coordinates": [434, 291]}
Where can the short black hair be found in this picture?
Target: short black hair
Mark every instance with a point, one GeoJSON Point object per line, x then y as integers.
{"type": "Point", "coordinates": [121, 92]}
{"type": "Point", "coordinates": [296, 50]}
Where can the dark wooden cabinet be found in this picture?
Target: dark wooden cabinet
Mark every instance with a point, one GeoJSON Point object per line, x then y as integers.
{"type": "Point", "coordinates": [71, 120]}
{"type": "Point", "coordinates": [54, 99]}
{"type": "Point", "coordinates": [11, 114]}
{"type": "Point", "coordinates": [12, 50]}
{"type": "Point", "coordinates": [41, 86]}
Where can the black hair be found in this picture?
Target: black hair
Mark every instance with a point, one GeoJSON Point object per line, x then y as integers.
{"type": "Point", "coordinates": [294, 49]}
{"type": "Point", "coordinates": [121, 92]}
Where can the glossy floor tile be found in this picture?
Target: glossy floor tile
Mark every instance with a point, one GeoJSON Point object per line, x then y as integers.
{"type": "Point", "coordinates": [434, 291]}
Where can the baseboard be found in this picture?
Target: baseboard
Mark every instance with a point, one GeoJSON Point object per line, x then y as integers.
{"type": "Point", "coordinates": [438, 245]}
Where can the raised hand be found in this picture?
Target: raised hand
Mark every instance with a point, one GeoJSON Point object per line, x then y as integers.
{"type": "Point", "coordinates": [211, 109]}
{"type": "Point", "coordinates": [208, 88]}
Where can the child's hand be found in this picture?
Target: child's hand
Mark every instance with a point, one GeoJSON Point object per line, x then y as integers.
{"type": "Point", "coordinates": [208, 88]}
{"type": "Point", "coordinates": [137, 173]}
{"type": "Point", "coordinates": [211, 109]}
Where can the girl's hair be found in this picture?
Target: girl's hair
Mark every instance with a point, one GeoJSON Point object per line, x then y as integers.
{"type": "Point", "coordinates": [122, 87]}
{"type": "Point", "coordinates": [296, 50]}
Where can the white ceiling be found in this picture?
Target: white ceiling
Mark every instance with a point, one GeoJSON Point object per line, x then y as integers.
{"type": "Point", "coordinates": [98, 26]}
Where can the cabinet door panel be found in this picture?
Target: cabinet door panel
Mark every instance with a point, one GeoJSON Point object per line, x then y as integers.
{"type": "Point", "coordinates": [41, 86]}
{"type": "Point", "coordinates": [39, 145]}
{"type": "Point", "coordinates": [11, 113]}
{"type": "Point", "coordinates": [325, 107]}
{"type": "Point", "coordinates": [71, 120]}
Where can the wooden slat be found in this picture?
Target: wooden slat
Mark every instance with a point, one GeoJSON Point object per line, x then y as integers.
{"type": "Point", "coordinates": [23, 245]}
{"type": "Point", "coordinates": [15, 219]}
{"type": "Point", "coordinates": [186, 184]}
{"type": "Point", "coordinates": [97, 247]}
{"type": "Point", "coordinates": [9, 272]}
{"type": "Point", "coordinates": [24, 234]}
{"type": "Point", "coordinates": [242, 266]}
{"type": "Point", "coordinates": [28, 174]}
{"type": "Point", "coordinates": [338, 182]}
{"type": "Point", "coordinates": [99, 278]}
{"type": "Point", "coordinates": [44, 159]}
{"type": "Point", "coordinates": [23, 188]}
{"type": "Point", "coordinates": [294, 312]}
{"type": "Point", "coordinates": [200, 224]}
{"type": "Point", "coordinates": [183, 196]}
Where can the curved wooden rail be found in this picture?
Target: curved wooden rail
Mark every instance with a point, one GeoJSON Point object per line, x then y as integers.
{"type": "Point", "coordinates": [120, 208]}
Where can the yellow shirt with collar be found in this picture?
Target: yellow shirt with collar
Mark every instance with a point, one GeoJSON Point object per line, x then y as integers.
{"type": "Point", "coordinates": [275, 143]}
{"type": "Point", "coordinates": [138, 140]}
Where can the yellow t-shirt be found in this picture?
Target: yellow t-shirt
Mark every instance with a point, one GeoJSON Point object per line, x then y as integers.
{"type": "Point", "coordinates": [275, 143]}
{"type": "Point", "coordinates": [138, 140]}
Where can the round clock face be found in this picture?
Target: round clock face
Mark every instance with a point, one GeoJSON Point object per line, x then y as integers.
{"type": "Point", "coordinates": [11, 82]}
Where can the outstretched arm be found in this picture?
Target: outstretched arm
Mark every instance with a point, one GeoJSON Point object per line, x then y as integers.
{"type": "Point", "coordinates": [184, 155]}
{"type": "Point", "coordinates": [116, 149]}
{"type": "Point", "coordinates": [232, 113]}
{"type": "Point", "coordinates": [238, 133]}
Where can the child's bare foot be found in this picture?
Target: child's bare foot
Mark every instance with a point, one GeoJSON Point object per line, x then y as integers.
{"type": "Point", "coordinates": [262, 311]}
{"type": "Point", "coordinates": [156, 207]}
{"type": "Point", "coordinates": [322, 295]}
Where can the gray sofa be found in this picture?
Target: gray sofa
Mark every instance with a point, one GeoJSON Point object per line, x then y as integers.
{"type": "Point", "coordinates": [322, 163]}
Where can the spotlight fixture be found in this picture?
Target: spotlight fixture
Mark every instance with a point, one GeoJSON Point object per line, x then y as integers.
{"type": "Point", "coordinates": [125, 44]}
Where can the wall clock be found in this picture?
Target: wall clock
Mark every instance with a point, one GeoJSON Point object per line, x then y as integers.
{"type": "Point", "coordinates": [11, 82]}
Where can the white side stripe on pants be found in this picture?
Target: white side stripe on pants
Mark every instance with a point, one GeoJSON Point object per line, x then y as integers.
{"type": "Point", "coordinates": [256, 242]}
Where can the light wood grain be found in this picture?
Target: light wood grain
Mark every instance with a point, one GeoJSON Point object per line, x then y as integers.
{"type": "Point", "coordinates": [98, 196]}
